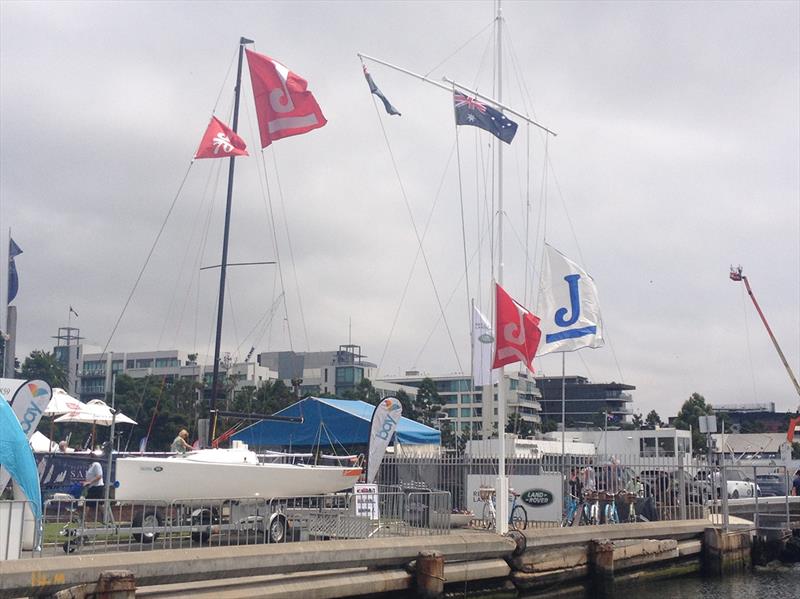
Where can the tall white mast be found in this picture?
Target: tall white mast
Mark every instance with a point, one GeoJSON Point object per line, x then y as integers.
{"type": "Point", "coordinates": [502, 481]}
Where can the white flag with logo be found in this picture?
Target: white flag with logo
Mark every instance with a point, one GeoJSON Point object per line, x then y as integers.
{"type": "Point", "coordinates": [385, 419]}
{"type": "Point", "coordinates": [482, 350]}
{"type": "Point", "coordinates": [569, 307]}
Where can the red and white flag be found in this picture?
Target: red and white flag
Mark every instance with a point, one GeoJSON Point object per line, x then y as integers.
{"type": "Point", "coordinates": [518, 332]}
{"type": "Point", "coordinates": [220, 141]}
{"type": "Point", "coordinates": [284, 105]}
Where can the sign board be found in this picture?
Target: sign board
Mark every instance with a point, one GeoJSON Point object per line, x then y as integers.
{"type": "Point", "coordinates": [708, 424]}
{"type": "Point", "coordinates": [366, 504]}
{"type": "Point", "coordinates": [541, 495]}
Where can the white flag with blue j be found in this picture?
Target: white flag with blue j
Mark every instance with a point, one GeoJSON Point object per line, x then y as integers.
{"type": "Point", "coordinates": [569, 306]}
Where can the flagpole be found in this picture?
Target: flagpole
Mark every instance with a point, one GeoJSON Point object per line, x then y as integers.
{"type": "Point", "coordinates": [224, 263]}
{"type": "Point", "coordinates": [563, 416]}
{"type": "Point", "coordinates": [502, 482]}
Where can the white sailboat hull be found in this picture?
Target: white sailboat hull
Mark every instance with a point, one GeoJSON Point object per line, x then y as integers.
{"type": "Point", "coordinates": [221, 473]}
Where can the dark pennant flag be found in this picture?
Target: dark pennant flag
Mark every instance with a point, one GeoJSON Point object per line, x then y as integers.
{"type": "Point", "coordinates": [374, 89]}
{"type": "Point", "coordinates": [13, 278]}
{"type": "Point", "coordinates": [470, 111]}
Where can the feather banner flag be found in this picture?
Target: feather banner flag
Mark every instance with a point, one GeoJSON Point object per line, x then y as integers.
{"type": "Point", "coordinates": [569, 306]}
{"type": "Point", "coordinates": [284, 106]}
{"type": "Point", "coordinates": [518, 332]}
{"type": "Point", "coordinates": [385, 419]}
{"type": "Point", "coordinates": [220, 141]}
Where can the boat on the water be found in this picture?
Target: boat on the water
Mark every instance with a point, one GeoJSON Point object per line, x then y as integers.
{"type": "Point", "coordinates": [234, 473]}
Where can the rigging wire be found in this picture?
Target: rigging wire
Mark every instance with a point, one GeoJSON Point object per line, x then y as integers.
{"type": "Point", "coordinates": [421, 249]}
{"type": "Point", "coordinates": [463, 230]}
{"type": "Point", "coordinates": [149, 256]}
{"type": "Point", "coordinates": [182, 268]}
{"type": "Point", "coordinates": [291, 250]}
{"type": "Point", "coordinates": [266, 195]}
{"type": "Point", "coordinates": [460, 48]}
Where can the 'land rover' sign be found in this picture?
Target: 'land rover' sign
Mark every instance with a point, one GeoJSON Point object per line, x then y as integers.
{"type": "Point", "coordinates": [537, 497]}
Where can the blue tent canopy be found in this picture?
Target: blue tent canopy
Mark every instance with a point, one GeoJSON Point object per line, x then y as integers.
{"type": "Point", "coordinates": [329, 421]}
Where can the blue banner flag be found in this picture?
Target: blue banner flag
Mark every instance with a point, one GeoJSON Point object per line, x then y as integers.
{"type": "Point", "coordinates": [470, 111]}
{"type": "Point", "coordinates": [13, 279]}
{"type": "Point", "coordinates": [17, 458]}
{"type": "Point", "coordinates": [374, 89]}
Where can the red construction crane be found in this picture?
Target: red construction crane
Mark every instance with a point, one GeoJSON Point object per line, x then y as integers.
{"type": "Point", "coordinates": [736, 275]}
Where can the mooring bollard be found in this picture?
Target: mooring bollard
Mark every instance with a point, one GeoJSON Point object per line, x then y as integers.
{"type": "Point", "coordinates": [601, 558]}
{"type": "Point", "coordinates": [429, 574]}
{"type": "Point", "coordinates": [116, 584]}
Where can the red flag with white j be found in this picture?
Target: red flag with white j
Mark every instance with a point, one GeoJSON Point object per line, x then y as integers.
{"type": "Point", "coordinates": [220, 141]}
{"type": "Point", "coordinates": [284, 105]}
{"type": "Point", "coordinates": [518, 332]}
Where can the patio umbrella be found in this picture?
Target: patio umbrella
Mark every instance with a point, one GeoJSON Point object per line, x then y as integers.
{"type": "Point", "coordinates": [62, 403]}
{"type": "Point", "coordinates": [95, 412]}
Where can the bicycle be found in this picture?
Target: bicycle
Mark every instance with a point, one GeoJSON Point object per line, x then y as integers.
{"type": "Point", "coordinates": [609, 507]}
{"type": "Point", "coordinates": [575, 510]}
{"type": "Point", "coordinates": [630, 501]}
{"type": "Point", "coordinates": [517, 517]}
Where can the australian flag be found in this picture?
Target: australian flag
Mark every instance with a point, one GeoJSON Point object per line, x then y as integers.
{"type": "Point", "coordinates": [470, 111]}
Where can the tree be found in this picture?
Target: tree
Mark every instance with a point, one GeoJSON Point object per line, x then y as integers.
{"type": "Point", "coordinates": [688, 419]}
{"type": "Point", "coordinates": [653, 419]}
{"type": "Point", "coordinates": [637, 421]}
{"type": "Point", "coordinates": [46, 367]}
{"type": "Point", "coordinates": [405, 401]}
{"type": "Point", "coordinates": [364, 391]}
{"type": "Point", "coordinates": [427, 406]}
{"type": "Point", "coordinates": [520, 427]}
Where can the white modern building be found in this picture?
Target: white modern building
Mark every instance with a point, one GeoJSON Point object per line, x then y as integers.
{"type": "Point", "coordinates": [329, 372]}
{"type": "Point", "coordinates": [473, 410]}
{"type": "Point", "coordinates": [642, 444]}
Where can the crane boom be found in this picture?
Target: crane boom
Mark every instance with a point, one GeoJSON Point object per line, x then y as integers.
{"type": "Point", "coordinates": [736, 275]}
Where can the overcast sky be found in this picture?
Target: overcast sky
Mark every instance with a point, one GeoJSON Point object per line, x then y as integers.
{"type": "Point", "coordinates": [677, 155]}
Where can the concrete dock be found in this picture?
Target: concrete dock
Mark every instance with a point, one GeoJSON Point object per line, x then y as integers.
{"type": "Point", "coordinates": [534, 561]}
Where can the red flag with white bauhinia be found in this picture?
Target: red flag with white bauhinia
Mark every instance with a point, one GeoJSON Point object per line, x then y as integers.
{"type": "Point", "coordinates": [220, 141]}
{"type": "Point", "coordinates": [518, 332]}
{"type": "Point", "coordinates": [284, 106]}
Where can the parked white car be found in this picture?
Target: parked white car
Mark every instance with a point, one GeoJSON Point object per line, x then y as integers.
{"type": "Point", "coordinates": [739, 485]}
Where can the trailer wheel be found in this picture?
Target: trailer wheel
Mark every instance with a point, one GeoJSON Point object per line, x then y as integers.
{"type": "Point", "coordinates": [203, 517]}
{"type": "Point", "coordinates": [147, 519]}
{"type": "Point", "coordinates": [276, 532]}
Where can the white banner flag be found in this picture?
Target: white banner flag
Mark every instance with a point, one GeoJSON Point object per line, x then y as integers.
{"type": "Point", "coordinates": [28, 404]}
{"type": "Point", "coordinates": [482, 348]}
{"type": "Point", "coordinates": [385, 419]}
{"type": "Point", "coordinates": [569, 307]}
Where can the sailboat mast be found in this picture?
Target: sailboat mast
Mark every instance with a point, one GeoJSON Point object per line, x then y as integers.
{"type": "Point", "coordinates": [502, 481]}
{"type": "Point", "coordinates": [224, 263]}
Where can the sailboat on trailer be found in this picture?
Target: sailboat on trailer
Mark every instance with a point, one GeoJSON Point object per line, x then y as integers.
{"type": "Point", "coordinates": [284, 107]}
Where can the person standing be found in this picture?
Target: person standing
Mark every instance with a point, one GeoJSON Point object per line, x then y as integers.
{"type": "Point", "coordinates": [179, 444]}
{"type": "Point", "coordinates": [95, 484]}
{"type": "Point", "coordinates": [796, 484]}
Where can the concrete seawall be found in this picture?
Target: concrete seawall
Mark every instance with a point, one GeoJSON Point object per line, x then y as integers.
{"type": "Point", "coordinates": [536, 561]}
